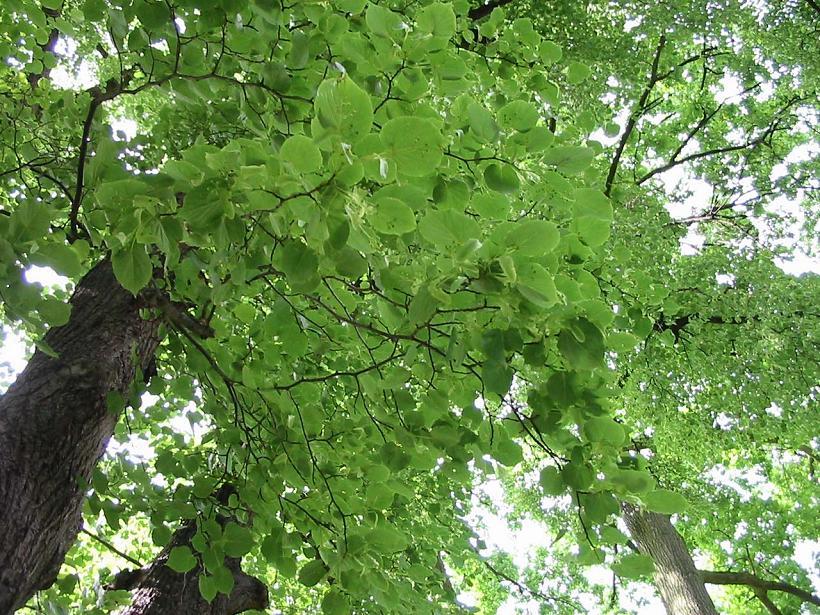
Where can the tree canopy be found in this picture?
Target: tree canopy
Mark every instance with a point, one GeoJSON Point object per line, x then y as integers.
{"type": "Point", "coordinates": [404, 265]}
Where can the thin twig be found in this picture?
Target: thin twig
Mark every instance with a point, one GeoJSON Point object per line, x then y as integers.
{"type": "Point", "coordinates": [111, 547]}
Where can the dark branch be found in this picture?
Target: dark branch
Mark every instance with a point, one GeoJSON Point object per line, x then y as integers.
{"type": "Point", "coordinates": [83, 154]}
{"type": "Point", "coordinates": [705, 154]}
{"type": "Point", "coordinates": [774, 126]}
{"type": "Point", "coordinates": [634, 116]}
{"type": "Point", "coordinates": [523, 588]}
{"type": "Point", "coordinates": [111, 547]}
{"type": "Point", "coordinates": [763, 596]}
{"type": "Point", "coordinates": [756, 583]}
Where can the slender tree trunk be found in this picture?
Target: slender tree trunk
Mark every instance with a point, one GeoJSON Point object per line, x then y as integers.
{"type": "Point", "coordinates": [55, 424]}
{"type": "Point", "coordinates": [681, 588]}
{"type": "Point", "coordinates": [158, 590]}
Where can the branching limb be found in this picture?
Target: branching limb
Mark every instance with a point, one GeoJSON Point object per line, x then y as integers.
{"type": "Point", "coordinates": [774, 126]}
{"type": "Point", "coordinates": [634, 116]}
{"type": "Point", "coordinates": [176, 313]}
{"type": "Point", "coordinates": [756, 583]}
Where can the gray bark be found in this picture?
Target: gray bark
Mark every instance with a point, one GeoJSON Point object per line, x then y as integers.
{"type": "Point", "coordinates": [679, 583]}
{"type": "Point", "coordinates": [54, 426]}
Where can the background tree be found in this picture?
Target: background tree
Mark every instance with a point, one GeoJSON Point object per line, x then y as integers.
{"type": "Point", "coordinates": [709, 385]}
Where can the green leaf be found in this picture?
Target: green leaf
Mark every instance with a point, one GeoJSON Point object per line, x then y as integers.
{"type": "Point", "coordinates": [622, 341]}
{"type": "Point", "coordinates": [539, 139]}
{"type": "Point", "coordinates": [593, 216]}
{"type": "Point", "coordinates": [392, 217]}
{"type": "Point", "coordinates": [351, 6]}
{"type": "Point", "coordinates": [335, 603]}
{"type": "Point", "coordinates": [180, 559]}
{"type": "Point", "coordinates": [497, 377]}
{"type": "Point", "coordinates": [604, 429]}
{"type": "Point", "coordinates": [183, 171]}
{"type": "Point", "coordinates": [207, 587]}
{"type": "Point", "coordinates": [152, 15]}
{"type": "Point", "coordinates": [302, 154]}
{"type": "Point", "coordinates": [634, 566]}
{"type": "Point", "coordinates": [536, 285]}
{"type": "Point", "coordinates": [613, 536]}
{"type": "Point", "coordinates": [550, 53]}
{"type": "Point", "coordinates": [204, 206]}
{"type": "Point", "coordinates": [508, 453]}
{"type": "Point", "coordinates": [54, 312]}
{"type": "Point", "coordinates": [577, 72]}
{"type": "Point", "coordinates": [312, 572]}
{"type": "Point", "coordinates": [299, 262]}
{"type": "Point", "coordinates": [578, 475]}
{"type": "Point", "coordinates": [534, 237]}
{"type": "Point", "coordinates": [245, 313]}
{"type": "Point", "coordinates": [29, 221]}
{"type": "Point", "coordinates": [448, 228]}
{"type": "Point", "coordinates": [383, 21]}
{"type": "Point", "coordinates": [582, 345]}
{"type": "Point", "coordinates": [551, 481]}
{"type": "Point", "coordinates": [633, 481]}
{"type": "Point", "coordinates": [342, 107]}
{"type": "Point", "coordinates": [223, 579]}
{"type": "Point", "coordinates": [132, 267]}
{"type": "Point", "coordinates": [238, 540]}
{"type": "Point", "coordinates": [482, 123]}
{"type": "Point", "coordinates": [414, 143]}
{"type": "Point", "coordinates": [350, 263]}
{"type": "Point", "coordinates": [501, 178]}
{"type": "Point", "coordinates": [437, 19]}
{"type": "Point", "coordinates": [60, 257]}
{"type": "Point", "coordinates": [665, 502]}
{"type": "Point", "coordinates": [387, 539]}
{"type": "Point", "coordinates": [491, 205]}
{"type": "Point", "coordinates": [569, 159]}
{"type": "Point", "coordinates": [519, 115]}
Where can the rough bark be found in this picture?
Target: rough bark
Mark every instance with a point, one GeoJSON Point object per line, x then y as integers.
{"type": "Point", "coordinates": [158, 590]}
{"type": "Point", "coordinates": [55, 424]}
{"type": "Point", "coordinates": [679, 583]}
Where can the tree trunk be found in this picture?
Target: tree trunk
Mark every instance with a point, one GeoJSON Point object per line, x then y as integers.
{"type": "Point", "coordinates": [161, 591]}
{"type": "Point", "coordinates": [678, 581]}
{"type": "Point", "coordinates": [55, 424]}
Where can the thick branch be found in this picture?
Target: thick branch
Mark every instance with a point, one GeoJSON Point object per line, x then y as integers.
{"type": "Point", "coordinates": [634, 116]}
{"type": "Point", "coordinates": [745, 578]}
{"type": "Point", "coordinates": [813, 4]}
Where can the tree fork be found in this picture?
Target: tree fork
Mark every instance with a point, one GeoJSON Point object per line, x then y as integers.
{"type": "Point", "coordinates": [55, 424]}
{"type": "Point", "coordinates": [158, 590]}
